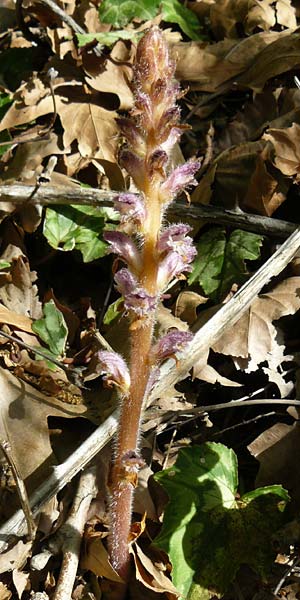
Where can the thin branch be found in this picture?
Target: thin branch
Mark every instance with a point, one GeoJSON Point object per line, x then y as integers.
{"type": "Point", "coordinates": [21, 489]}
{"type": "Point", "coordinates": [171, 373]}
{"type": "Point", "coordinates": [53, 195]}
{"type": "Point", "coordinates": [63, 16]}
{"type": "Point", "coordinates": [73, 529]}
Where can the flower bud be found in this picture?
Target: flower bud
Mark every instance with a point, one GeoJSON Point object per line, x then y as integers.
{"type": "Point", "coordinates": [124, 246]}
{"type": "Point", "coordinates": [114, 370]}
{"type": "Point", "coordinates": [178, 180]}
{"type": "Point", "coordinates": [171, 343]}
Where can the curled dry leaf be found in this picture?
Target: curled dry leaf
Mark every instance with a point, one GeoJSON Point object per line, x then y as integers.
{"type": "Point", "coordinates": [243, 342]}
{"type": "Point", "coordinates": [18, 293]}
{"type": "Point", "coordinates": [95, 558]}
{"type": "Point", "coordinates": [152, 574]}
{"type": "Point", "coordinates": [286, 143]}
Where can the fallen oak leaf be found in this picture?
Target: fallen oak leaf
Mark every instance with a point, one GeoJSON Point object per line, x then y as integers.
{"type": "Point", "coordinates": [9, 317]}
{"type": "Point", "coordinates": [286, 147]}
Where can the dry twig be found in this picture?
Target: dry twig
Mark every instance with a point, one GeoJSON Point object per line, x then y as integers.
{"type": "Point", "coordinates": [53, 195]}
{"type": "Point", "coordinates": [73, 530]}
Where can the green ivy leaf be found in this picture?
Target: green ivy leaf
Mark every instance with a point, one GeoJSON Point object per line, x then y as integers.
{"type": "Point", "coordinates": [206, 532]}
{"type": "Point", "coordinates": [78, 227]}
{"type": "Point", "coordinates": [120, 12]}
{"type": "Point", "coordinates": [221, 262]}
{"type": "Point", "coordinates": [175, 12]}
{"type": "Point", "coordinates": [113, 311]}
{"type": "Point", "coordinates": [106, 38]}
{"type": "Point", "coordinates": [52, 329]}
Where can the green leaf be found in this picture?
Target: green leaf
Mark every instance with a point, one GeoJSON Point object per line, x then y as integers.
{"type": "Point", "coordinates": [175, 12]}
{"type": "Point", "coordinates": [78, 227]}
{"type": "Point", "coordinates": [52, 329]}
{"type": "Point", "coordinates": [113, 311]}
{"type": "Point", "coordinates": [120, 12]}
{"type": "Point", "coordinates": [106, 38]}
{"type": "Point", "coordinates": [4, 264]}
{"type": "Point", "coordinates": [206, 532]}
{"type": "Point", "coordinates": [221, 262]}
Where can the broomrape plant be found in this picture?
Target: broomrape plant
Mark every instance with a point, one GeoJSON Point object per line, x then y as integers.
{"type": "Point", "coordinates": [154, 254]}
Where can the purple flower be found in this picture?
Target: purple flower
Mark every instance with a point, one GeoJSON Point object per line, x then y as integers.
{"type": "Point", "coordinates": [174, 237]}
{"type": "Point", "coordinates": [115, 370]}
{"type": "Point", "coordinates": [134, 165]}
{"type": "Point", "coordinates": [178, 180]}
{"type": "Point", "coordinates": [136, 298]}
{"type": "Point", "coordinates": [125, 281]}
{"type": "Point", "coordinates": [169, 344]}
{"type": "Point", "coordinates": [131, 208]}
{"type": "Point", "coordinates": [140, 302]}
{"type": "Point", "coordinates": [179, 252]}
{"type": "Point", "coordinates": [171, 266]}
{"type": "Point", "coordinates": [124, 246]}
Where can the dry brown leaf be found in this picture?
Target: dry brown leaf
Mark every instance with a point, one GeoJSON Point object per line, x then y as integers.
{"type": "Point", "coordinates": [286, 49]}
{"type": "Point", "coordinates": [24, 413]}
{"type": "Point", "coordinates": [5, 594]}
{"type": "Point", "coordinates": [260, 14]}
{"type": "Point", "coordinates": [143, 502]}
{"type": "Point", "coordinates": [276, 449]}
{"type": "Point", "coordinates": [286, 13]}
{"type": "Point", "coordinates": [208, 66]}
{"type": "Point", "coordinates": [235, 168]}
{"type": "Point", "coordinates": [243, 340]}
{"type": "Point", "coordinates": [18, 292]}
{"type": "Point", "coordinates": [18, 321]}
{"type": "Point", "coordinates": [264, 194]}
{"type": "Point", "coordinates": [111, 78]}
{"type": "Point", "coordinates": [95, 558]}
{"type": "Point", "coordinates": [186, 306]}
{"type": "Point", "coordinates": [20, 579]}
{"type": "Point", "coordinates": [286, 144]}
{"type": "Point", "coordinates": [26, 163]}
{"type": "Point", "coordinates": [82, 118]}
{"type": "Point", "coordinates": [150, 575]}
{"type": "Point", "coordinates": [16, 557]}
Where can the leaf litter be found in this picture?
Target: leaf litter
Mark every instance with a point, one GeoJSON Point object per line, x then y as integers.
{"type": "Point", "coordinates": [56, 294]}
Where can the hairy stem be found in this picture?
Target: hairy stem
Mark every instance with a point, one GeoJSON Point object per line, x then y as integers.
{"type": "Point", "coordinates": [127, 460]}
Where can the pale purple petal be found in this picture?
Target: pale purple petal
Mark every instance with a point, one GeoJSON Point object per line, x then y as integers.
{"type": "Point", "coordinates": [171, 266]}
{"type": "Point", "coordinates": [114, 369]}
{"type": "Point", "coordinates": [125, 281]}
{"type": "Point", "coordinates": [140, 302]}
{"type": "Point", "coordinates": [179, 179]}
{"type": "Point", "coordinates": [124, 246]}
{"type": "Point", "coordinates": [131, 208]}
{"type": "Point", "coordinates": [169, 344]}
{"type": "Point", "coordinates": [172, 236]}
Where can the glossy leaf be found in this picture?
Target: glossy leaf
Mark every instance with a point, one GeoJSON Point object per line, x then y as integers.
{"type": "Point", "coordinates": [221, 261]}
{"type": "Point", "coordinates": [52, 329]}
{"type": "Point", "coordinates": [206, 531]}
{"type": "Point", "coordinates": [77, 227]}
